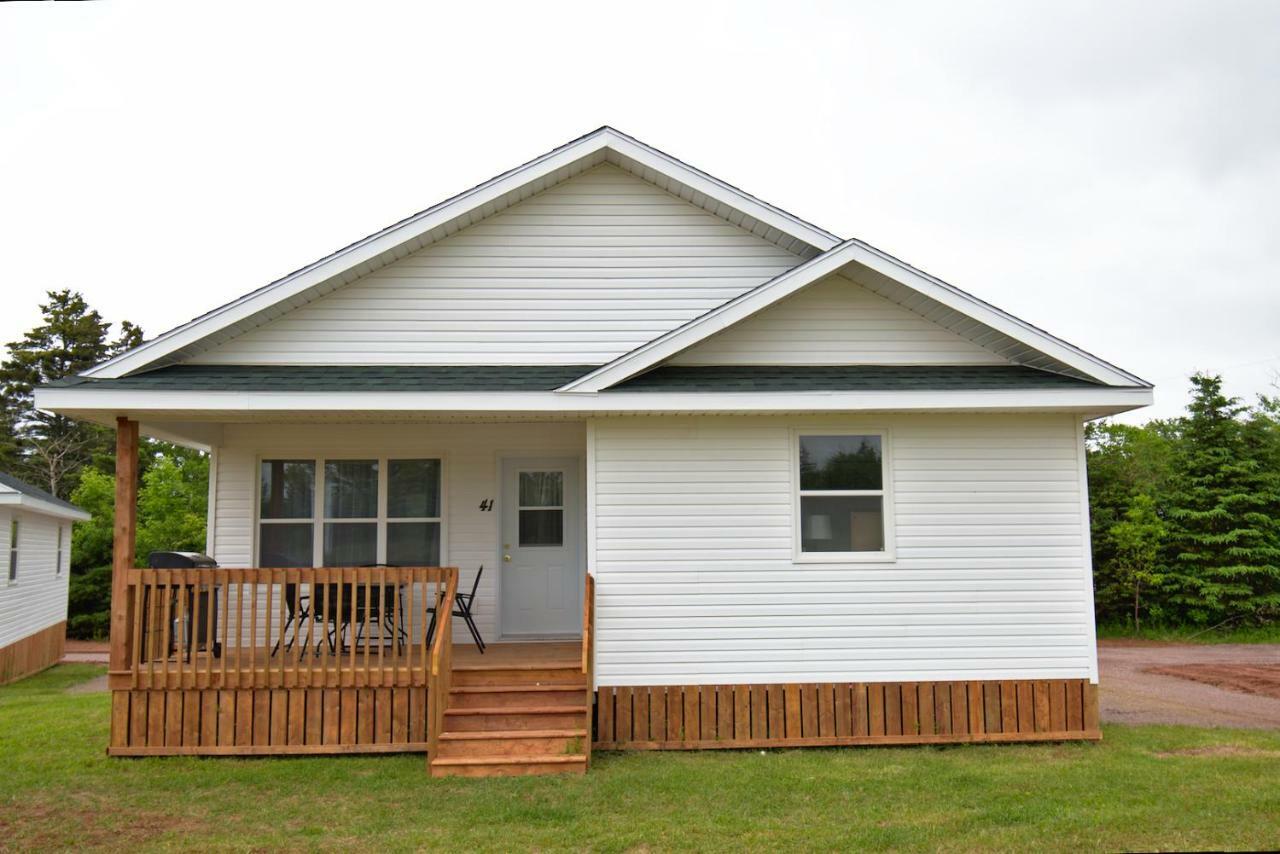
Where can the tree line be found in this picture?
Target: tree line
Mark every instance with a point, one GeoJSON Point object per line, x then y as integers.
{"type": "Point", "coordinates": [75, 460]}
{"type": "Point", "coordinates": [1185, 512]}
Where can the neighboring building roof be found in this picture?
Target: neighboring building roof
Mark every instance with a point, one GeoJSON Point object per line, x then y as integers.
{"type": "Point", "coordinates": [447, 217]}
{"type": "Point", "coordinates": [23, 494]}
{"type": "Point", "coordinates": [848, 378]}
{"type": "Point", "coordinates": [321, 378]}
{"type": "Point", "coordinates": [1037, 347]}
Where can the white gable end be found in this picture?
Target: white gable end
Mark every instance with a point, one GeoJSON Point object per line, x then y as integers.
{"type": "Point", "coordinates": [836, 321]}
{"type": "Point", "coordinates": [579, 274]}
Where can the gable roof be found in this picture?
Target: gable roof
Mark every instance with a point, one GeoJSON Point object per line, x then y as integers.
{"type": "Point", "coordinates": [20, 493]}
{"type": "Point", "coordinates": [602, 145]}
{"type": "Point", "coordinates": [1037, 347]}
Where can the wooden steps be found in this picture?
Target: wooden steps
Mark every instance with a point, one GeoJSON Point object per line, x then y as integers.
{"type": "Point", "coordinates": [514, 718]}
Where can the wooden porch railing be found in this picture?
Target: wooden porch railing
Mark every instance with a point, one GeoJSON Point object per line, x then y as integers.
{"type": "Point", "coordinates": [285, 628]}
{"type": "Point", "coordinates": [588, 652]}
{"type": "Point", "coordinates": [440, 676]}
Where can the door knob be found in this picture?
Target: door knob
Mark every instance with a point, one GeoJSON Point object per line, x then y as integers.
{"type": "Point", "coordinates": [507, 558]}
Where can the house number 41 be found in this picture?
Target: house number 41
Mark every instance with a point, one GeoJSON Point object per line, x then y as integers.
{"type": "Point", "coordinates": [486, 505]}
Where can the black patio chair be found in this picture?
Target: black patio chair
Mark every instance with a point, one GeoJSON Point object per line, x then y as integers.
{"type": "Point", "coordinates": [462, 603]}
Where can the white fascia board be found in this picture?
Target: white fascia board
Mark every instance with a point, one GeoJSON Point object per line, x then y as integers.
{"type": "Point", "coordinates": [714, 188]}
{"type": "Point", "coordinates": [35, 505]}
{"type": "Point", "coordinates": [225, 405]}
{"type": "Point", "coordinates": [784, 285]}
{"type": "Point", "coordinates": [389, 238]}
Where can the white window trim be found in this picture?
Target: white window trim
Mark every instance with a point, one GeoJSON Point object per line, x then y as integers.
{"type": "Point", "coordinates": [57, 565]}
{"type": "Point", "coordinates": [522, 506]}
{"type": "Point", "coordinates": [318, 519]}
{"type": "Point", "coordinates": [889, 554]}
{"type": "Point", "coordinates": [15, 534]}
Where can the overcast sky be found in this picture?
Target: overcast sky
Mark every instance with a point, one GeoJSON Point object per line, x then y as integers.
{"type": "Point", "coordinates": [1108, 171]}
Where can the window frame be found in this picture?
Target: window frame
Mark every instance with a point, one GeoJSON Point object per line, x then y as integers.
{"type": "Point", "coordinates": [15, 532]}
{"type": "Point", "coordinates": [888, 554]}
{"type": "Point", "coordinates": [57, 565]}
{"type": "Point", "coordinates": [318, 518]}
{"type": "Point", "coordinates": [521, 507]}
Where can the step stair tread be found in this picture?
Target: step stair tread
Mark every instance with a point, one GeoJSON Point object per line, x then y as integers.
{"type": "Point", "coordinates": [518, 710]}
{"type": "Point", "coordinates": [546, 759]}
{"type": "Point", "coordinates": [512, 688]}
{"type": "Point", "coordinates": [520, 665]}
{"type": "Point", "coordinates": [481, 735]}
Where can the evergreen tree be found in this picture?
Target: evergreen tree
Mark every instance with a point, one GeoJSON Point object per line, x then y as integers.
{"type": "Point", "coordinates": [1223, 548]}
{"type": "Point", "coordinates": [50, 450]}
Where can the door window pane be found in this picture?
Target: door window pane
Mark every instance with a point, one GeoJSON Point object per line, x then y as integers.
{"type": "Point", "coordinates": [351, 489]}
{"type": "Point", "coordinates": [350, 544]}
{"type": "Point", "coordinates": [541, 488]}
{"type": "Point", "coordinates": [288, 489]}
{"type": "Point", "coordinates": [413, 488]}
{"type": "Point", "coordinates": [840, 462]}
{"type": "Point", "coordinates": [541, 527]}
{"type": "Point", "coordinates": [413, 543]}
{"type": "Point", "coordinates": [841, 523]}
{"type": "Point", "coordinates": [284, 544]}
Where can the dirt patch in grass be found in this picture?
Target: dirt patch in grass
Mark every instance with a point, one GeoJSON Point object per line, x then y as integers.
{"type": "Point", "coordinates": [42, 826]}
{"type": "Point", "coordinates": [1261, 679]}
{"type": "Point", "coordinates": [1218, 750]}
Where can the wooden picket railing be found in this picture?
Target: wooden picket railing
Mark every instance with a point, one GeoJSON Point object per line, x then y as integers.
{"type": "Point", "coordinates": [440, 676]}
{"type": "Point", "coordinates": [588, 652]}
{"type": "Point", "coordinates": [285, 628]}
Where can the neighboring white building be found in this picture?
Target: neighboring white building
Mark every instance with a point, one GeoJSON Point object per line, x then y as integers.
{"type": "Point", "coordinates": [785, 458]}
{"type": "Point", "coordinates": [35, 547]}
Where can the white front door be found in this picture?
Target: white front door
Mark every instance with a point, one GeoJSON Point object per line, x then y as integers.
{"type": "Point", "coordinates": [541, 583]}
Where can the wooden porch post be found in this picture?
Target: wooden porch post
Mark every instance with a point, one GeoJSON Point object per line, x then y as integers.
{"type": "Point", "coordinates": [124, 540]}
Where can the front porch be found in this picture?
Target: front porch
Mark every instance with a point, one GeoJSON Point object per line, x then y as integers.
{"type": "Point", "coordinates": [290, 659]}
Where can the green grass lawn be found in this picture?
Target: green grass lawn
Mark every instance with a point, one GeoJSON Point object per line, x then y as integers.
{"type": "Point", "coordinates": [1189, 634]}
{"type": "Point", "coordinates": [1141, 788]}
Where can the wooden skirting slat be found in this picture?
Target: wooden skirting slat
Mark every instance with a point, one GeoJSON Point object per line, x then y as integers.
{"type": "Point", "coordinates": [33, 653]}
{"type": "Point", "coordinates": [700, 717]}
{"type": "Point", "coordinates": [265, 722]}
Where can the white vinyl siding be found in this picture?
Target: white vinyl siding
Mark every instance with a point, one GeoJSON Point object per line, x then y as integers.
{"type": "Point", "coordinates": [697, 581]}
{"type": "Point", "coordinates": [38, 598]}
{"type": "Point", "coordinates": [837, 322]}
{"type": "Point", "coordinates": [578, 274]}
{"type": "Point", "coordinates": [470, 455]}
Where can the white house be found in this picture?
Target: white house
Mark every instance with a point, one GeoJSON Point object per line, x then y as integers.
{"type": "Point", "coordinates": [823, 497]}
{"type": "Point", "coordinates": [35, 542]}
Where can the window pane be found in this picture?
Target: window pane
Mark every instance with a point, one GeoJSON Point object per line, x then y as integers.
{"type": "Point", "coordinates": [840, 462]}
{"type": "Point", "coordinates": [350, 490]}
{"type": "Point", "coordinates": [288, 489]}
{"type": "Point", "coordinates": [842, 523]}
{"type": "Point", "coordinates": [350, 544]}
{"type": "Point", "coordinates": [413, 543]}
{"type": "Point", "coordinates": [541, 488]}
{"type": "Point", "coordinates": [541, 527]}
{"type": "Point", "coordinates": [284, 545]}
{"type": "Point", "coordinates": [413, 488]}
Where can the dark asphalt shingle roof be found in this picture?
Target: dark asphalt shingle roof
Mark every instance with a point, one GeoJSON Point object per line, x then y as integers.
{"type": "Point", "coordinates": [764, 378]}
{"type": "Point", "coordinates": [532, 378]}
{"type": "Point", "coordinates": [34, 491]}
{"type": "Point", "coordinates": [343, 378]}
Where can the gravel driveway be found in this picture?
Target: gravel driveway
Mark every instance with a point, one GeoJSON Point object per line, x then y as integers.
{"type": "Point", "coordinates": [1131, 695]}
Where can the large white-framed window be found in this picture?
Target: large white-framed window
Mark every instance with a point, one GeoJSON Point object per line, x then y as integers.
{"type": "Point", "coordinates": [350, 511]}
{"type": "Point", "coordinates": [14, 529]}
{"type": "Point", "coordinates": [57, 561]}
{"type": "Point", "coordinates": [843, 498]}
